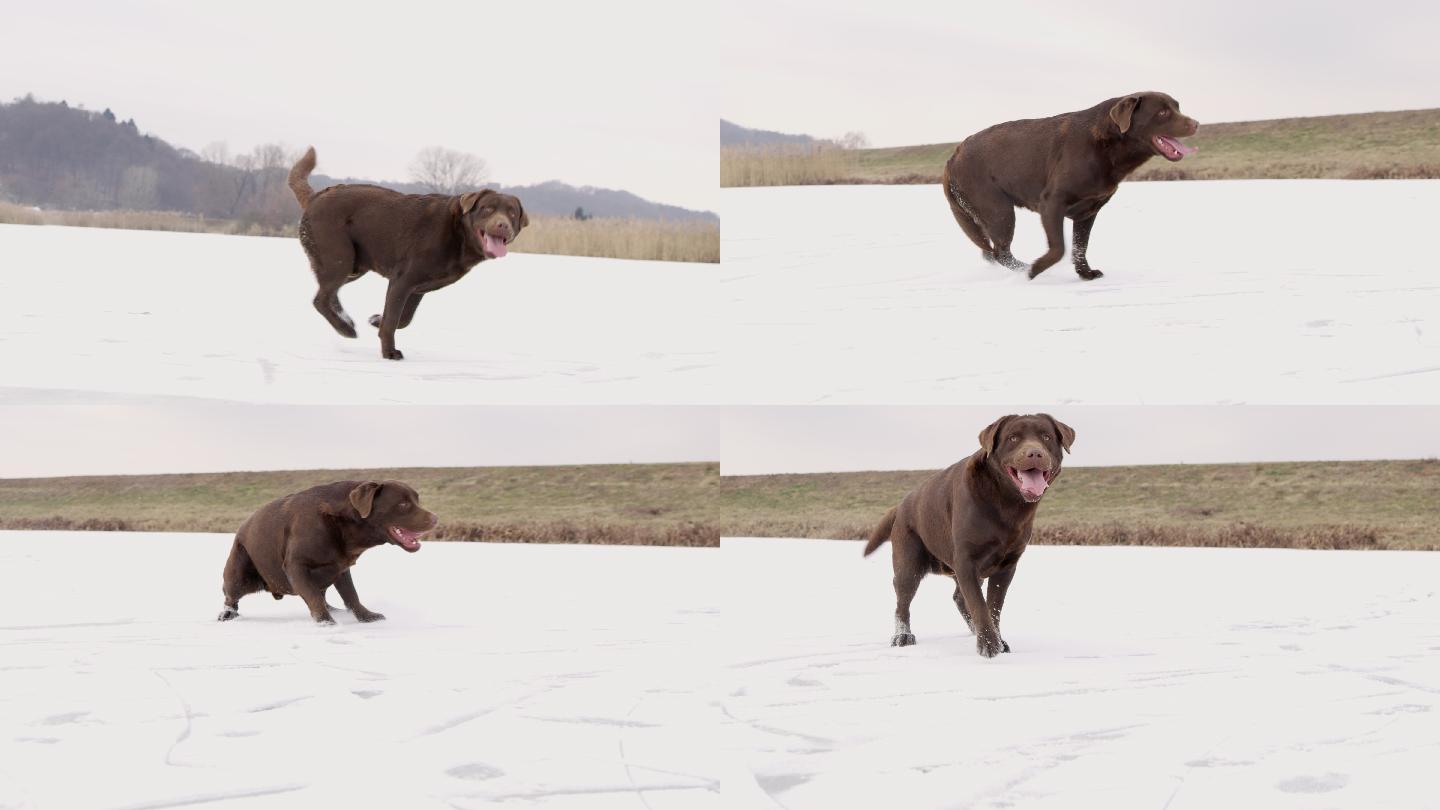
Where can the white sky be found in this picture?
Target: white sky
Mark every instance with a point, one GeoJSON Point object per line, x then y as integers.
{"type": "Point", "coordinates": [766, 440]}
{"type": "Point", "coordinates": [618, 94]}
{"type": "Point", "coordinates": [907, 72]}
{"type": "Point", "coordinates": [63, 433]}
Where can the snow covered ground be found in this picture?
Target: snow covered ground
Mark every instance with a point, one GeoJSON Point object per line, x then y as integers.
{"type": "Point", "coordinates": [229, 317]}
{"type": "Point", "coordinates": [1311, 291]}
{"type": "Point", "coordinates": [535, 676]}
{"type": "Point", "coordinates": [1140, 678]}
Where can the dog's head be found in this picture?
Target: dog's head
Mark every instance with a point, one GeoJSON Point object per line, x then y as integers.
{"type": "Point", "coordinates": [1025, 451]}
{"type": "Point", "coordinates": [1154, 119]}
{"type": "Point", "coordinates": [492, 220]}
{"type": "Point", "coordinates": [393, 508]}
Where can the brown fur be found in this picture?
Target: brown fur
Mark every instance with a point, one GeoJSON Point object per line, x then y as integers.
{"type": "Point", "coordinates": [302, 544]}
{"type": "Point", "coordinates": [972, 522]}
{"type": "Point", "coordinates": [1065, 166]}
{"type": "Point", "coordinates": [420, 242]}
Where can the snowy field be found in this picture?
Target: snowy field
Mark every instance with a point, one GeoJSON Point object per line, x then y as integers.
{"type": "Point", "coordinates": [230, 317]}
{"type": "Point", "coordinates": [531, 676]}
{"type": "Point", "coordinates": [1310, 291]}
{"type": "Point", "coordinates": [1141, 678]}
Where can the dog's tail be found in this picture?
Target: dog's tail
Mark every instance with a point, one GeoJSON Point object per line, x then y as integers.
{"type": "Point", "coordinates": [300, 177]}
{"type": "Point", "coordinates": [882, 532]}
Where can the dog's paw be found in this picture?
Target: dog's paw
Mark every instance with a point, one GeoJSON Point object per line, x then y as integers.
{"type": "Point", "coordinates": [227, 614]}
{"type": "Point", "coordinates": [1088, 273]}
{"type": "Point", "coordinates": [375, 321]}
{"type": "Point", "coordinates": [988, 645]}
{"type": "Point", "coordinates": [902, 640]}
{"type": "Point", "coordinates": [369, 616]}
{"type": "Point", "coordinates": [1004, 645]}
{"type": "Point", "coordinates": [393, 354]}
{"type": "Point", "coordinates": [326, 621]}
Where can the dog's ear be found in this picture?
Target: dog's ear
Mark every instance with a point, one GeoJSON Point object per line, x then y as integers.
{"type": "Point", "coordinates": [470, 199]}
{"type": "Point", "coordinates": [990, 436]}
{"type": "Point", "coordinates": [363, 497]}
{"type": "Point", "coordinates": [524, 217]}
{"type": "Point", "coordinates": [1122, 111]}
{"type": "Point", "coordinates": [1064, 431]}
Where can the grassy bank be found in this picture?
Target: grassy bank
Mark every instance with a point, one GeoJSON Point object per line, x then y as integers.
{"type": "Point", "coordinates": [603, 238]}
{"type": "Point", "coordinates": [1373, 504]}
{"type": "Point", "coordinates": [630, 504]}
{"type": "Point", "coordinates": [1381, 145]}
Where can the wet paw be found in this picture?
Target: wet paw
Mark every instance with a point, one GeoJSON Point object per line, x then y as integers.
{"type": "Point", "coordinates": [1088, 273]}
{"type": "Point", "coordinates": [324, 620]}
{"type": "Point", "coordinates": [392, 354]}
{"type": "Point", "coordinates": [227, 614]}
{"type": "Point", "coordinates": [369, 616]}
{"type": "Point", "coordinates": [375, 321]}
{"type": "Point", "coordinates": [902, 640]}
{"type": "Point", "coordinates": [988, 645]}
{"type": "Point", "coordinates": [1004, 645]}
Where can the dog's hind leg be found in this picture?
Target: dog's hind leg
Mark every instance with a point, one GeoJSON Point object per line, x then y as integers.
{"type": "Point", "coordinates": [241, 578]}
{"type": "Point", "coordinates": [333, 260]}
{"type": "Point", "coordinates": [911, 562]}
{"type": "Point", "coordinates": [965, 217]}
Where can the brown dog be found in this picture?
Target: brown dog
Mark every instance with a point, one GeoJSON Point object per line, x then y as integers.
{"type": "Point", "coordinates": [306, 542]}
{"type": "Point", "coordinates": [1065, 166]}
{"type": "Point", "coordinates": [972, 521]}
{"type": "Point", "coordinates": [421, 242]}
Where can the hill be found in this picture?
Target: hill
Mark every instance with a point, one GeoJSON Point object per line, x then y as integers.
{"type": "Point", "coordinates": [56, 156]}
{"type": "Point", "coordinates": [1375, 145]}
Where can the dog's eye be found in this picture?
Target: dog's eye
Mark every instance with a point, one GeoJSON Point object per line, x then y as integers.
{"type": "Point", "coordinates": [1014, 437]}
{"type": "Point", "coordinates": [1164, 113]}
{"type": "Point", "coordinates": [1045, 436]}
{"type": "Point", "coordinates": [404, 506]}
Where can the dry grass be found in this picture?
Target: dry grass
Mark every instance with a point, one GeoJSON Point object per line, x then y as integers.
{"type": "Point", "coordinates": [605, 238]}
{"type": "Point", "coordinates": [11, 214]}
{"type": "Point", "coordinates": [1375, 504]}
{"type": "Point", "coordinates": [788, 165]}
{"type": "Point", "coordinates": [632, 504]}
{"type": "Point", "coordinates": [1384, 145]}
{"type": "Point", "coordinates": [665, 241]}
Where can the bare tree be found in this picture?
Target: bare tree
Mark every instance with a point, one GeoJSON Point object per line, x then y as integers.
{"type": "Point", "coordinates": [446, 171]}
{"type": "Point", "coordinates": [854, 140]}
{"type": "Point", "coordinates": [217, 152]}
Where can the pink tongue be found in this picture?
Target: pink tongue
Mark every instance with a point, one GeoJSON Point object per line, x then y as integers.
{"type": "Point", "coordinates": [1032, 482]}
{"type": "Point", "coordinates": [495, 247]}
{"type": "Point", "coordinates": [410, 540]}
{"type": "Point", "coordinates": [1178, 146]}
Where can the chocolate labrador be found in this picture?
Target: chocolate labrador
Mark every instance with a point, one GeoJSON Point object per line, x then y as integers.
{"type": "Point", "coordinates": [306, 542]}
{"type": "Point", "coordinates": [972, 521]}
{"type": "Point", "coordinates": [421, 242]}
{"type": "Point", "coordinates": [1065, 166]}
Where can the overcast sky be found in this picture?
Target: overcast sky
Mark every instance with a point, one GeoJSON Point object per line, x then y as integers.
{"type": "Point", "coordinates": [907, 72]}
{"type": "Point", "coordinates": [765, 440]}
{"type": "Point", "coordinates": [111, 434]}
{"type": "Point", "coordinates": [619, 94]}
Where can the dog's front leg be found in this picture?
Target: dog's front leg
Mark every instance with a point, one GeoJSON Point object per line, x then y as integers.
{"type": "Point", "coordinates": [396, 298]}
{"type": "Point", "coordinates": [345, 586]}
{"type": "Point", "coordinates": [308, 586]}
{"type": "Point", "coordinates": [996, 588]}
{"type": "Point", "coordinates": [987, 638]}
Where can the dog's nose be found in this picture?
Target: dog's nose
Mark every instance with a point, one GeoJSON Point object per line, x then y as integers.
{"type": "Point", "coordinates": [1034, 452]}
{"type": "Point", "coordinates": [1194, 126]}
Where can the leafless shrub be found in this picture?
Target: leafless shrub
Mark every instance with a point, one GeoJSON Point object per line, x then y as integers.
{"type": "Point", "coordinates": [447, 171]}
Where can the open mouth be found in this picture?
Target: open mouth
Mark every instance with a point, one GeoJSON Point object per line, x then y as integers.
{"type": "Point", "coordinates": [494, 246]}
{"type": "Point", "coordinates": [1170, 148]}
{"type": "Point", "coordinates": [405, 538]}
{"type": "Point", "coordinates": [1032, 483]}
